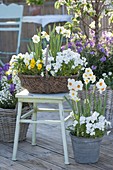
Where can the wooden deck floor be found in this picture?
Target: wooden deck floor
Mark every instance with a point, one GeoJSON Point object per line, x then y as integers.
{"type": "Point", "coordinates": [48, 153]}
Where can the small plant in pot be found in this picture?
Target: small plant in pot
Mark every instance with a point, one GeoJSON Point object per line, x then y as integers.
{"type": "Point", "coordinates": [9, 86]}
{"type": "Point", "coordinates": [35, 6]}
{"type": "Point", "coordinates": [88, 121]}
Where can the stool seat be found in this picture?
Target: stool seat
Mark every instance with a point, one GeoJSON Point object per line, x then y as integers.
{"type": "Point", "coordinates": [25, 96]}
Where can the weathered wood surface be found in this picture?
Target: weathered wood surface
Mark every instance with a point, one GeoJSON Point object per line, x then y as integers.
{"type": "Point", "coordinates": [48, 153]}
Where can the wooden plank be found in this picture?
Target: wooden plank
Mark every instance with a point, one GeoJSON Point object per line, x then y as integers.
{"type": "Point", "coordinates": [27, 160]}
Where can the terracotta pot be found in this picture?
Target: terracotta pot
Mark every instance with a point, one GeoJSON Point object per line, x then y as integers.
{"type": "Point", "coordinates": [34, 10]}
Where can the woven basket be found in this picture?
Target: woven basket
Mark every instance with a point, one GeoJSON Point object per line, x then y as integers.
{"type": "Point", "coordinates": [8, 124]}
{"type": "Point", "coordinates": [38, 84]}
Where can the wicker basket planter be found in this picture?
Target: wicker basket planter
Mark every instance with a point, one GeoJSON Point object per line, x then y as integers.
{"type": "Point", "coordinates": [8, 124]}
{"type": "Point", "coordinates": [38, 84]}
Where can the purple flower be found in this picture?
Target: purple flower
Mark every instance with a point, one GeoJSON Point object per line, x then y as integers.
{"type": "Point", "coordinates": [94, 67]}
{"type": "Point", "coordinates": [103, 59]}
{"type": "Point", "coordinates": [102, 50]}
{"type": "Point", "coordinates": [6, 67]}
{"type": "Point", "coordinates": [78, 43]}
{"type": "Point", "coordinates": [12, 88]}
{"type": "Point", "coordinates": [92, 52]}
{"type": "Point", "coordinates": [79, 50]}
{"type": "Point", "coordinates": [9, 77]}
{"type": "Point", "coordinates": [63, 47]}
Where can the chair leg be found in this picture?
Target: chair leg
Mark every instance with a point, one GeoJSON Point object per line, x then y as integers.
{"type": "Point", "coordinates": [34, 117]}
{"type": "Point", "coordinates": [63, 132]}
{"type": "Point", "coordinates": [17, 130]}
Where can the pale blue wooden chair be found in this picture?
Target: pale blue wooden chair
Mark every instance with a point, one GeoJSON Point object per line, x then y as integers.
{"type": "Point", "coordinates": [10, 21]}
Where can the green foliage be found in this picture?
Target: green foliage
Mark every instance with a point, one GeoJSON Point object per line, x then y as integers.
{"type": "Point", "coordinates": [35, 2]}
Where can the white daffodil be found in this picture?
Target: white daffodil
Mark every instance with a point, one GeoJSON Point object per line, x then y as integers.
{"type": "Point", "coordinates": [45, 35]}
{"type": "Point", "coordinates": [71, 84]}
{"type": "Point", "coordinates": [101, 86]}
{"type": "Point", "coordinates": [78, 85]}
{"type": "Point", "coordinates": [86, 81]}
{"type": "Point", "coordinates": [93, 78]}
{"type": "Point", "coordinates": [88, 71]}
{"type": "Point", "coordinates": [59, 29]}
{"type": "Point", "coordinates": [36, 39]}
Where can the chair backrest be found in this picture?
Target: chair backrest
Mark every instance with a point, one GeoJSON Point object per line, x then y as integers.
{"type": "Point", "coordinates": [11, 20]}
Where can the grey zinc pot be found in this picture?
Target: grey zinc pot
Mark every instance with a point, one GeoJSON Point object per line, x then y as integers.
{"type": "Point", "coordinates": [86, 150]}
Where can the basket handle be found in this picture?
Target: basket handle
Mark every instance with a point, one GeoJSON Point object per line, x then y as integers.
{"type": "Point", "coordinates": [46, 62]}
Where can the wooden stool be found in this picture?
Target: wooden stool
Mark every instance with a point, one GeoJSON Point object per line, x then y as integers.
{"type": "Point", "coordinates": [27, 97]}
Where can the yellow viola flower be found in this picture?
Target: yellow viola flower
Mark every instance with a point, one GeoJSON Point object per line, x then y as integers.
{"type": "Point", "coordinates": [39, 66]}
{"type": "Point", "coordinates": [32, 64]}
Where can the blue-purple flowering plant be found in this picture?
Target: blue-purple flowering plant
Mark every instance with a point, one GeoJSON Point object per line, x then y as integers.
{"type": "Point", "coordinates": [9, 86]}
{"type": "Point", "coordinates": [100, 57]}
{"type": "Point", "coordinates": [94, 43]}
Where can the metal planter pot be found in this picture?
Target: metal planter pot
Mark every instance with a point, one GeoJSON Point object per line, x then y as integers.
{"type": "Point", "coordinates": [86, 150]}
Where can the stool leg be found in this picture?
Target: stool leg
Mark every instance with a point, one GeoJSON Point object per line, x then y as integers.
{"type": "Point", "coordinates": [34, 117]}
{"type": "Point", "coordinates": [63, 132]}
{"type": "Point", "coordinates": [17, 130]}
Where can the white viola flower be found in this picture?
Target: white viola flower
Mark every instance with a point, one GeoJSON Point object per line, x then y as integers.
{"type": "Point", "coordinates": [48, 67]}
{"type": "Point", "coordinates": [89, 126]}
{"type": "Point", "coordinates": [92, 133]}
{"type": "Point", "coordinates": [75, 123]}
{"type": "Point", "coordinates": [52, 73]}
{"type": "Point", "coordinates": [36, 39]}
{"type": "Point", "coordinates": [71, 84]}
{"type": "Point", "coordinates": [45, 35]}
{"type": "Point", "coordinates": [82, 120]}
{"type": "Point", "coordinates": [88, 119]}
{"type": "Point", "coordinates": [104, 74]}
{"type": "Point", "coordinates": [109, 73]}
{"type": "Point", "coordinates": [37, 62]}
{"type": "Point", "coordinates": [42, 74]}
{"type": "Point", "coordinates": [78, 85]}
{"type": "Point", "coordinates": [101, 126]}
{"type": "Point", "coordinates": [95, 114]}
{"type": "Point", "coordinates": [101, 118]}
{"type": "Point", "coordinates": [27, 58]}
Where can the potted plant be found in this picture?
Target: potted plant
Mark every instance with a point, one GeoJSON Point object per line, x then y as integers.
{"type": "Point", "coordinates": [9, 86]}
{"type": "Point", "coordinates": [88, 121]}
{"type": "Point", "coordinates": [48, 68]}
{"type": "Point", "coordinates": [35, 6]}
